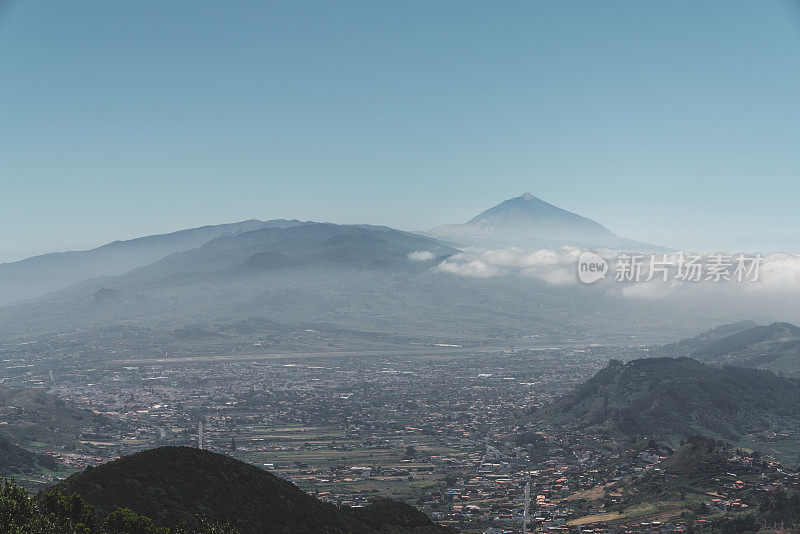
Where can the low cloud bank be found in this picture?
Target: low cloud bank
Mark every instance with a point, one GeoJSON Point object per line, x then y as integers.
{"type": "Point", "coordinates": [554, 266]}
{"type": "Point", "coordinates": [777, 275]}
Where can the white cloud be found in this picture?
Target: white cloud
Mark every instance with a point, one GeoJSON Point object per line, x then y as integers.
{"type": "Point", "coordinates": [555, 277]}
{"type": "Point", "coordinates": [552, 266]}
{"type": "Point", "coordinates": [779, 273]}
{"type": "Point", "coordinates": [421, 255]}
{"type": "Point", "coordinates": [474, 267]}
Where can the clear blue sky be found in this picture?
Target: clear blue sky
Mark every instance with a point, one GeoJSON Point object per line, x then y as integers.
{"type": "Point", "coordinates": [669, 122]}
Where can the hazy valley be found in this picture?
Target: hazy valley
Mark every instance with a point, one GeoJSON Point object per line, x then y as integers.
{"type": "Point", "coordinates": [357, 362]}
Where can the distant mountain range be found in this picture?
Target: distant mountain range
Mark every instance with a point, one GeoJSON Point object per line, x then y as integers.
{"type": "Point", "coordinates": [38, 275]}
{"type": "Point", "coordinates": [524, 221]}
{"type": "Point", "coordinates": [529, 221]}
{"type": "Point", "coordinates": [307, 272]}
{"type": "Point", "coordinates": [775, 347]}
{"type": "Point", "coordinates": [670, 399]}
{"type": "Point", "coordinates": [176, 486]}
{"type": "Point", "coordinates": [357, 277]}
{"type": "Point", "coordinates": [306, 246]}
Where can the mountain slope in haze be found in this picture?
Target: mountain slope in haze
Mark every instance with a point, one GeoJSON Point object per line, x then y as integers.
{"type": "Point", "coordinates": [362, 278]}
{"type": "Point", "coordinates": [775, 347]}
{"type": "Point", "coordinates": [405, 297]}
{"type": "Point", "coordinates": [325, 246]}
{"type": "Point", "coordinates": [172, 485]}
{"type": "Point", "coordinates": [530, 221]}
{"type": "Point", "coordinates": [35, 276]}
{"type": "Point", "coordinates": [670, 399]}
{"type": "Point", "coordinates": [687, 347]}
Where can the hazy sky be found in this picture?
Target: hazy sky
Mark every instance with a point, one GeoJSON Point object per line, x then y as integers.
{"type": "Point", "coordinates": [669, 122]}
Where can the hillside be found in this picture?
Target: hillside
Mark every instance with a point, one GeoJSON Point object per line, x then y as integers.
{"type": "Point", "coordinates": [15, 459]}
{"type": "Point", "coordinates": [685, 484]}
{"type": "Point", "coordinates": [354, 276]}
{"type": "Point", "coordinates": [690, 345]}
{"type": "Point", "coordinates": [671, 399]}
{"type": "Point", "coordinates": [172, 485]}
{"type": "Point", "coordinates": [38, 275]}
{"type": "Point", "coordinates": [691, 469]}
{"type": "Point", "coordinates": [775, 347]}
{"type": "Point", "coordinates": [33, 415]}
{"type": "Point", "coordinates": [699, 455]}
{"type": "Point", "coordinates": [309, 246]}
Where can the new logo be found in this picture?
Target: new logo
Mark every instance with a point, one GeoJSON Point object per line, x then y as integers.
{"type": "Point", "coordinates": [591, 267]}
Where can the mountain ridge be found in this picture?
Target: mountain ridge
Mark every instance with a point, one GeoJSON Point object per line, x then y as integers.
{"type": "Point", "coordinates": [307, 245]}
{"type": "Point", "coordinates": [775, 347]}
{"type": "Point", "coordinates": [671, 399]}
{"type": "Point", "coordinates": [35, 276]}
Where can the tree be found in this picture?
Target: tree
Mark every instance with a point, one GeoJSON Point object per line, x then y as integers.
{"type": "Point", "coordinates": [125, 521]}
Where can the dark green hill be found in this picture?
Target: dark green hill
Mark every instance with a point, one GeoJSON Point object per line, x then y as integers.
{"type": "Point", "coordinates": [670, 399]}
{"type": "Point", "coordinates": [699, 455]}
{"type": "Point", "coordinates": [15, 459]}
{"type": "Point", "coordinates": [34, 415]}
{"type": "Point", "coordinates": [693, 469]}
{"type": "Point", "coordinates": [174, 485]}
